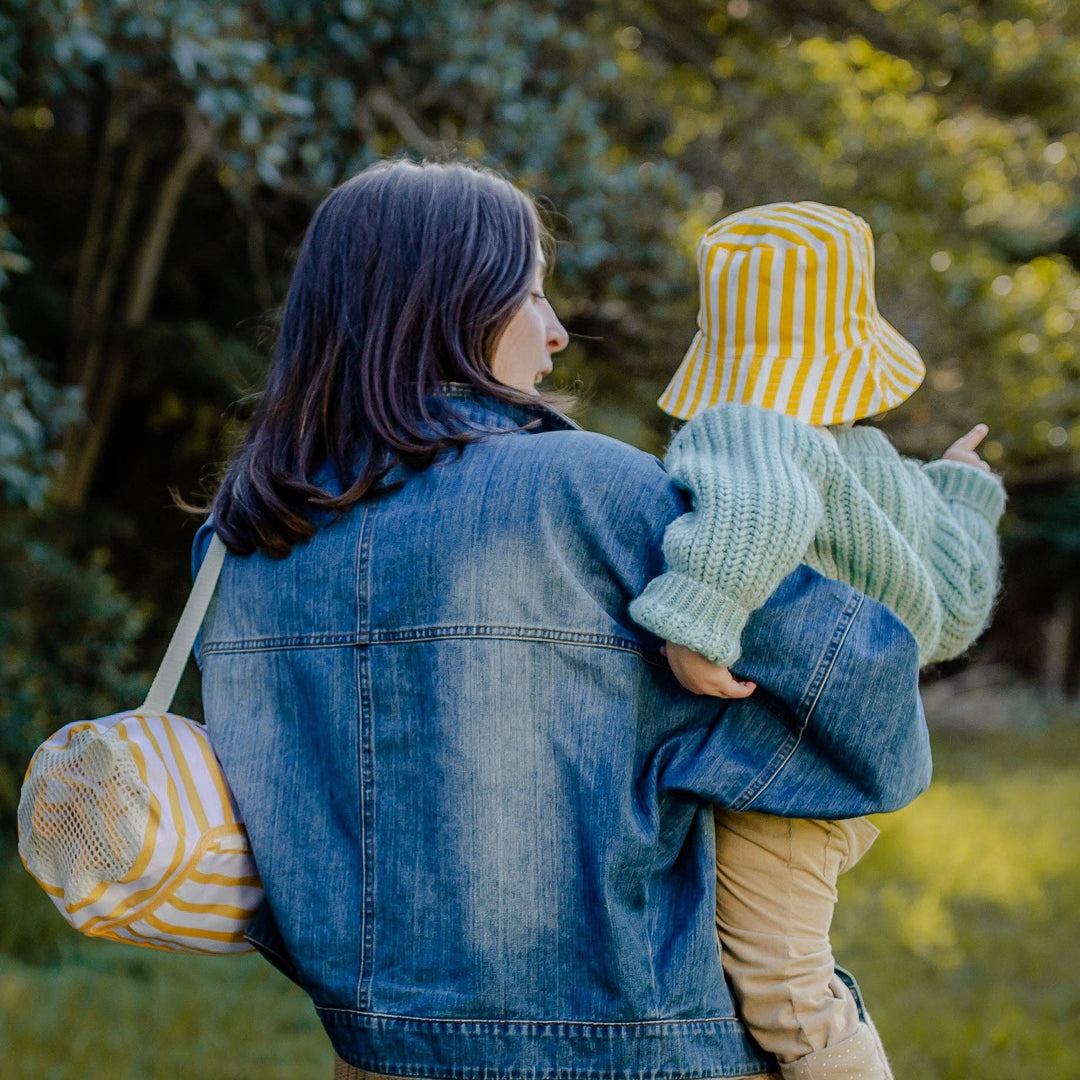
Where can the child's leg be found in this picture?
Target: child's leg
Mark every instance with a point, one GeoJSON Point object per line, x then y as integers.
{"type": "Point", "coordinates": [775, 894]}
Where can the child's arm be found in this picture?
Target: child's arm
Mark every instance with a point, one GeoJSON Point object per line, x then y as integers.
{"type": "Point", "coordinates": [948, 512]}
{"type": "Point", "coordinates": [964, 555]}
{"type": "Point", "coordinates": [758, 480]}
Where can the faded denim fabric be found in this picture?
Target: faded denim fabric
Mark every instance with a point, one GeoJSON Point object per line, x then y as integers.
{"type": "Point", "coordinates": [479, 799]}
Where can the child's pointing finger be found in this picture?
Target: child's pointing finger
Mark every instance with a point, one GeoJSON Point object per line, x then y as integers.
{"type": "Point", "coordinates": [973, 437]}
{"type": "Point", "coordinates": [963, 450]}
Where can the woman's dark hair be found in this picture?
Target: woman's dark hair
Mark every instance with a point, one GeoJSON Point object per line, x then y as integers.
{"type": "Point", "coordinates": [406, 277]}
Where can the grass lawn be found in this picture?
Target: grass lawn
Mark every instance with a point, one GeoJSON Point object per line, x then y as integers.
{"type": "Point", "coordinates": [961, 922]}
{"type": "Point", "coordinates": [961, 925]}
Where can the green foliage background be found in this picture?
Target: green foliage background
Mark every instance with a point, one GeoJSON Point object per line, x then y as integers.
{"type": "Point", "coordinates": [159, 160]}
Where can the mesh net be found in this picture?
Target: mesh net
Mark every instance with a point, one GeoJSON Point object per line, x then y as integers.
{"type": "Point", "coordinates": [83, 814]}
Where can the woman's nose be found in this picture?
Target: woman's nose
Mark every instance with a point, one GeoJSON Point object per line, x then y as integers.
{"type": "Point", "coordinates": [557, 338]}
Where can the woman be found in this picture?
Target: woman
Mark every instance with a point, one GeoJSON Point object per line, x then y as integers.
{"type": "Point", "coordinates": [478, 799]}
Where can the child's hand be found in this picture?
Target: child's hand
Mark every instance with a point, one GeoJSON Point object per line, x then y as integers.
{"type": "Point", "coordinates": [701, 676]}
{"type": "Point", "coordinates": [963, 450]}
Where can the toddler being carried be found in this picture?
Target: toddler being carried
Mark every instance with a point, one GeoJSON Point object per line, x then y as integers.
{"type": "Point", "coordinates": [791, 351]}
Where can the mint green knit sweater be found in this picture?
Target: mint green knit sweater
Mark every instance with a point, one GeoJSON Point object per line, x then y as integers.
{"type": "Point", "coordinates": [770, 492]}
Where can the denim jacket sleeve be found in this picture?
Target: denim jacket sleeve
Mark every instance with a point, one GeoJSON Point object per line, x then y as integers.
{"type": "Point", "coordinates": [836, 727]}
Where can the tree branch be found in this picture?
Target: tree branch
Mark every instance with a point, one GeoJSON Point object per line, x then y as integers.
{"type": "Point", "coordinates": [83, 449]}
{"type": "Point", "coordinates": [151, 253]}
{"type": "Point", "coordinates": [114, 129]}
{"type": "Point", "coordinates": [260, 271]}
{"type": "Point", "coordinates": [389, 108]}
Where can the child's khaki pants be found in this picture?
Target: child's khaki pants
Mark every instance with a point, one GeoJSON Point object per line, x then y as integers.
{"type": "Point", "coordinates": [775, 894]}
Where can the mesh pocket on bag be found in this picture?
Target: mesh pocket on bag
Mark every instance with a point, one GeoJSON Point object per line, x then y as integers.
{"type": "Point", "coordinates": [84, 813]}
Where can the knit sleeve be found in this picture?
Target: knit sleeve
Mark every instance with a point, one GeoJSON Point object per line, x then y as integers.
{"type": "Point", "coordinates": [963, 552]}
{"type": "Point", "coordinates": [757, 480]}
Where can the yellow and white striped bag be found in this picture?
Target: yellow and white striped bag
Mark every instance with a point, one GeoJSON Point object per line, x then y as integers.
{"type": "Point", "coordinates": [127, 822]}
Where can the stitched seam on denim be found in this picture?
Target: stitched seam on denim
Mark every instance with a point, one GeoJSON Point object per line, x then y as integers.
{"type": "Point", "coordinates": [359, 666]}
{"type": "Point", "coordinates": [779, 758]}
{"type": "Point", "coordinates": [364, 759]}
{"type": "Point", "coordinates": [769, 772]}
{"type": "Point", "coordinates": [368, 734]}
{"type": "Point", "coordinates": [429, 633]}
{"type": "Point", "coordinates": [821, 676]}
{"type": "Point", "coordinates": [523, 633]}
{"type": "Point", "coordinates": [690, 1029]}
{"type": "Point", "coordinates": [577, 1025]}
{"type": "Point", "coordinates": [231, 649]}
{"type": "Point", "coordinates": [843, 628]}
{"type": "Point", "coordinates": [405, 1070]}
{"type": "Point", "coordinates": [467, 393]}
{"type": "Point", "coordinates": [481, 1072]}
{"type": "Point", "coordinates": [291, 641]}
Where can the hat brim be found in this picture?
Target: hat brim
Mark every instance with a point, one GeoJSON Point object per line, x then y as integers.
{"type": "Point", "coordinates": [887, 370]}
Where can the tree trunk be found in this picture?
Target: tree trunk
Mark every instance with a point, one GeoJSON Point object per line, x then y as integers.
{"type": "Point", "coordinates": [91, 253]}
{"type": "Point", "coordinates": [104, 252]}
{"type": "Point", "coordinates": [103, 360]}
{"type": "Point", "coordinates": [1056, 656]}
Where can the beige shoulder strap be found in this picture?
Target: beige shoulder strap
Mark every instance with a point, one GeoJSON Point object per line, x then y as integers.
{"type": "Point", "coordinates": [167, 679]}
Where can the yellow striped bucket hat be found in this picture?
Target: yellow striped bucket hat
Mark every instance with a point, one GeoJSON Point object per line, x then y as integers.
{"type": "Point", "coordinates": [788, 320]}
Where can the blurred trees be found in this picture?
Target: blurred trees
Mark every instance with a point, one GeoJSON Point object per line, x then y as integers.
{"type": "Point", "coordinates": [161, 158]}
{"type": "Point", "coordinates": [66, 631]}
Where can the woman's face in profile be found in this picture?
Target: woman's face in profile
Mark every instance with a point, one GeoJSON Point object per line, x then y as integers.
{"type": "Point", "coordinates": [524, 351]}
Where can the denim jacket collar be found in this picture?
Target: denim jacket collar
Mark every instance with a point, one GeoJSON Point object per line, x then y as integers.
{"type": "Point", "coordinates": [491, 413]}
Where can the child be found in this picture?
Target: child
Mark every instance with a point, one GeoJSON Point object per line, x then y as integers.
{"type": "Point", "coordinates": [793, 348]}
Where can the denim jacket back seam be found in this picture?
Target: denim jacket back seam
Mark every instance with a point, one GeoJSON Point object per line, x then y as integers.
{"type": "Point", "coordinates": [365, 763]}
{"type": "Point", "coordinates": [432, 633]}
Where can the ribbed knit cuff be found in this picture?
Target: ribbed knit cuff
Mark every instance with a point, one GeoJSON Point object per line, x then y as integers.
{"type": "Point", "coordinates": [957, 482]}
{"type": "Point", "coordinates": [679, 608]}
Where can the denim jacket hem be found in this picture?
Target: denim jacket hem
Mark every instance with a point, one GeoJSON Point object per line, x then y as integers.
{"type": "Point", "coordinates": [544, 1050]}
{"type": "Point", "coordinates": [432, 1049]}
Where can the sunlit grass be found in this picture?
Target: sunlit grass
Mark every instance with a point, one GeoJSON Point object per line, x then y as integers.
{"type": "Point", "coordinates": [72, 1009]}
{"type": "Point", "coordinates": [961, 922]}
{"type": "Point", "coordinates": [961, 925]}
{"type": "Point", "coordinates": [103, 1013]}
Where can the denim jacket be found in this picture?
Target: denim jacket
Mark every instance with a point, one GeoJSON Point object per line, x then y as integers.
{"type": "Point", "coordinates": [479, 800]}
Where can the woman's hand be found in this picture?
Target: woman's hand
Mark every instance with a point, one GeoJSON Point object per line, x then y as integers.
{"type": "Point", "coordinates": [701, 676]}
{"type": "Point", "coordinates": [963, 450]}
